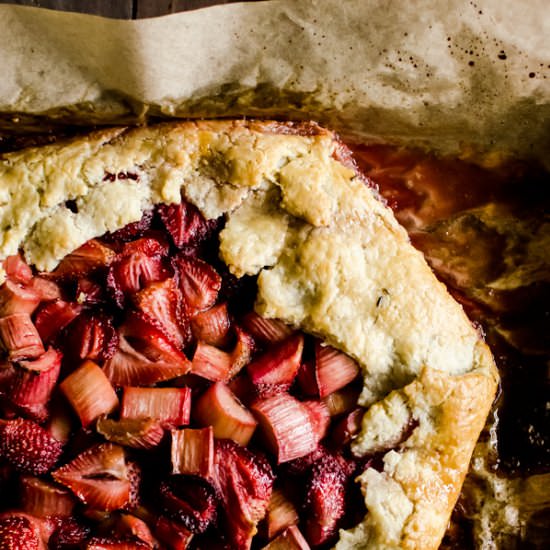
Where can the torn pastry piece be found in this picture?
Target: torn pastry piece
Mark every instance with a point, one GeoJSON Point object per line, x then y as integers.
{"type": "Point", "coordinates": [330, 259]}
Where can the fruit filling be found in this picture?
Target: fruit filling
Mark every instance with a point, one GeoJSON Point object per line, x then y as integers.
{"type": "Point", "coordinates": [144, 404]}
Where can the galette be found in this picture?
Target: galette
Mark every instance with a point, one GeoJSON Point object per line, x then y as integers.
{"type": "Point", "coordinates": [215, 334]}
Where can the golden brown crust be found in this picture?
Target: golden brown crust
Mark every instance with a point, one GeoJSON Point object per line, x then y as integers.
{"type": "Point", "coordinates": [340, 266]}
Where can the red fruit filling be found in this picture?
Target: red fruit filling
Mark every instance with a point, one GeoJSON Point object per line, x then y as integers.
{"type": "Point", "coordinates": [144, 404]}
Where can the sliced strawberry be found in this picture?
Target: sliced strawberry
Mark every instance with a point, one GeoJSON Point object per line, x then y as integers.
{"type": "Point", "coordinates": [199, 283]}
{"type": "Point", "coordinates": [342, 401]}
{"type": "Point", "coordinates": [184, 223]}
{"type": "Point", "coordinates": [16, 298]}
{"type": "Point", "coordinates": [190, 500]}
{"type": "Point", "coordinates": [134, 476]}
{"type": "Point", "coordinates": [219, 408]}
{"type": "Point", "coordinates": [212, 326]}
{"type": "Point", "coordinates": [19, 337]}
{"type": "Point", "coordinates": [91, 256]}
{"type": "Point", "coordinates": [28, 447]}
{"type": "Point", "coordinates": [334, 369]}
{"type": "Point", "coordinates": [278, 365]}
{"type": "Point", "coordinates": [132, 230]}
{"type": "Point", "coordinates": [128, 367]}
{"type": "Point", "coordinates": [53, 317]}
{"type": "Point", "coordinates": [32, 385]}
{"type": "Point", "coordinates": [69, 535]}
{"type": "Point", "coordinates": [347, 428]}
{"type": "Point", "coordinates": [155, 244]}
{"type": "Point", "coordinates": [172, 534]}
{"type": "Point", "coordinates": [42, 499]}
{"type": "Point", "coordinates": [169, 406]}
{"type": "Point", "coordinates": [98, 477]}
{"type": "Point", "coordinates": [160, 304]}
{"type": "Point", "coordinates": [290, 539]}
{"type": "Point", "coordinates": [325, 500]}
{"type": "Point", "coordinates": [18, 532]}
{"type": "Point", "coordinates": [17, 269]}
{"type": "Point", "coordinates": [143, 433]}
{"type": "Point", "coordinates": [280, 514]}
{"type": "Point", "coordinates": [151, 342]}
{"type": "Point", "coordinates": [192, 452]}
{"type": "Point", "coordinates": [266, 331]}
{"type": "Point", "coordinates": [46, 290]}
{"type": "Point", "coordinates": [245, 481]}
{"type": "Point", "coordinates": [89, 392]}
{"type": "Point", "coordinates": [211, 363]}
{"type": "Point", "coordinates": [287, 426]}
{"type": "Point", "coordinates": [89, 292]}
{"type": "Point", "coordinates": [91, 336]}
{"type": "Point", "coordinates": [116, 543]}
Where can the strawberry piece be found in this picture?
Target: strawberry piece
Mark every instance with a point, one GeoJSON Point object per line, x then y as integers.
{"type": "Point", "coordinates": [152, 245]}
{"type": "Point", "coordinates": [219, 408]}
{"type": "Point", "coordinates": [17, 532]}
{"type": "Point", "coordinates": [134, 476]}
{"type": "Point", "coordinates": [173, 535]}
{"type": "Point", "coordinates": [287, 426]}
{"type": "Point", "coordinates": [17, 269]}
{"type": "Point", "coordinates": [98, 477]}
{"type": "Point", "coordinates": [53, 317]}
{"type": "Point", "coordinates": [132, 527]}
{"type": "Point", "coordinates": [212, 326]}
{"type": "Point", "coordinates": [211, 363]}
{"type": "Point", "coordinates": [28, 447]}
{"type": "Point", "coordinates": [334, 369]}
{"type": "Point", "coordinates": [43, 499]}
{"type": "Point", "coordinates": [132, 230]}
{"type": "Point", "coordinates": [199, 283]}
{"type": "Point", "coordinates": [342, 401]}
{"type": "Point", "coordinates": [325, 500]}
{"type": "Point", "coordinates": [290, 539]}
{"type": "Point", "coordinates": [89, 392]}
{"type": "Point", "coordinates": [116, 543]}
{"type": "Point", "coordinates": [89, 292]}
{"type": "Point", "coordinates": [46, 290]}
{"type": "Point", "coordinates": [169, 406]}
{"type": "Point", "coordinates": [266, 331]}
{"type": "Point", "coordinates": [128, 367]}
{"type": "Point", "coordinates": [160, 305]}
{"type": "Point", "coordinates": [69, 535]}
{"type": "Point", "coordinates": [91, 336]}
{"type": "Point", "coordinates": [152, 342]}
{"type": "Point", "coordinates": [86, 259]}
{"type": "Point", "coordinates": [19, 337]}
{"type": "Point", "coordinates": [192, 501]}
{"type": "Point", "coordinates": [143, 433]}
{"type": "Point", "coordinates": [278, 365]}
{"type": "Point", "coordinates": [347, 428]}
{"type": "Point", "coordinates": [16, 298]}
{"type": "Point", "coordinates": [32, 385]}
{"type": "Point", "coordinates": [245, 481]}
{"type": "Point", "coordinates": [184, 223]}
{"type": "Point", "coordinates": [280, 514]}
{"type": "Point", "coordinates": [302, 466]}
{"type": "Point", "coordinates": [192, 452]}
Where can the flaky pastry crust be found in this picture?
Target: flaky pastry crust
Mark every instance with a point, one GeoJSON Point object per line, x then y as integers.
{"type": "Point", "coordinates": [330, 259]}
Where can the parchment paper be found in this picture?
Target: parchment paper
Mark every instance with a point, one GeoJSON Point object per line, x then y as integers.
{"type": "Point", "coordinates": [449, 75]}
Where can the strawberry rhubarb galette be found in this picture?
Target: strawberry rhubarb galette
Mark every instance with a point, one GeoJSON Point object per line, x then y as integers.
{"type": "Point", "coordinates": [216, 335]}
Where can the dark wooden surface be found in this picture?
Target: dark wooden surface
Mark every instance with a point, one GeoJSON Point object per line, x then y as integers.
{"type": "Point", "coordinates": [123, 9]}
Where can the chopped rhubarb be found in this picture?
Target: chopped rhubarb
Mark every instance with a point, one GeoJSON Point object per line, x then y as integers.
{"type": "Point", "coordinates": [278, 365]}
{"type": "Point", "coordinates": [212, 326]}
{"type": "Point", "coordinates": [137, 433]}
{"type": "Point", "coordinates": [48, 360]}
{"type": "Point", "coordinates": [319, 417]}
{"type": "Point", "coordinates": [290, 539]}
{"type": "Point", "coordinates": [127, 525]}
{"type": "Point", "coordinates": [19, 337]}
{"type": "Point", "coordinates": [245, 481]}
{"type": "Point", "coordinates": [184, 223]}
{"type": "Point", "coordinates": [129, 367]}
{"type": "Point", "coordinates": [53, 317]}
{"type": "Point", "coordinates": [89, 392]}
{"type": "Point", "coordinates": [211, 363]}
{"type": "Point", "coordinates": [242, 352]}
{"type": "Point", "coordinates": [281, 513]}
{"type": "Point", "coordinates": [17, 269]}
{"type": "Point", "coordinates": [60, 421]}
{"type": "Point", "coordinates": [169, 406]}
{"type": "Point", "coordinates": [45, 289]}
{"type": "Point", "coordinates": [89, 257]}
{"type": "Point", "coordinates": [98, 477]}
{"type": "Point", "coordinates": [334, 369]}
{"type": "Point", "coordinates": [199, 283]}
{"type": "Point", "coordinates": [28, 447]}
{"type": "Point", "coordinates": [16, 298]}
{"type": "Point", "coordinates": [347, 428]}
{"type": "Point", "coordinates": [307, 378]}
{"type": "Point", "coordinates": [266, 331]}
{"type": "Point", "coordinates": [286, 426]}
{"type": "Point", "coordinates": [192, 501]}
{"type": "Point", "coordinates": [91, 336]}
{"type": "Point", "coordinates": [42, 498]}
{"type": "Point", "coordinates": [192, 452]}
{"type": "Point", "coordinates": [219, 408]}
{"type": "Point", "coordinates": [172, 534]}
{"type": "Point", "coordinates": [342, 401]}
